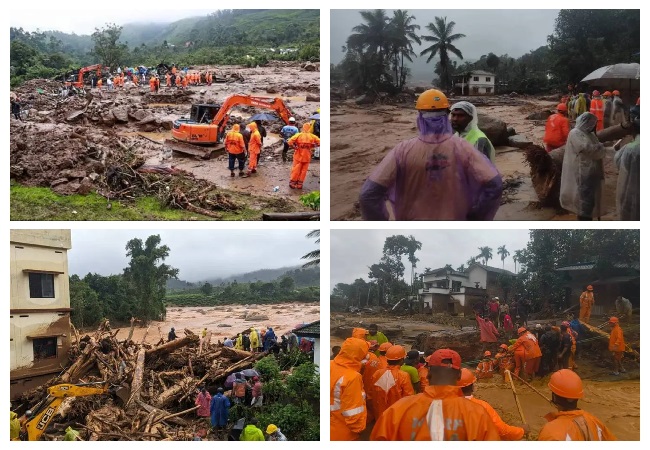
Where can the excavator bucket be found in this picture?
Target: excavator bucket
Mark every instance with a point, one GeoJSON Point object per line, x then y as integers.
{"type": "Point", "coordinates": [182, 149]}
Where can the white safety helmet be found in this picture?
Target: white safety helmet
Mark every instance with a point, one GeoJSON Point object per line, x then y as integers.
{"type": "Point", "coordinates": [291, 120]}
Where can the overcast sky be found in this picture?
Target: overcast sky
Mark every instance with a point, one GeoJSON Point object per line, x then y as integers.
{"type": "Point", "coordinates": [198, 254]}
{"type": "Point", "coordinates": [500, 31]}
{"type": "Point", "coordinates": [353, 251]}
{"type": "Point", "coordinates": [81, 18]}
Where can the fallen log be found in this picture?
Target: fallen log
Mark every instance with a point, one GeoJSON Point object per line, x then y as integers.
{"type": "Point", "coordinates": [138, 378]}
{"type": "Point", "coordinates": [177, 414]}
{"type": "Point", "coordinates": [172, 345]}
{"type": "Point", "coordinates": [180, 387]}
{"type": "Point", "coordinates": [292, 216]}
{"type": "Point", "coordinates": [233, 353]}
{"type": "Point", "coordinates": [171, 419]}
{"type": "Point", "coordinates": [604, 334]}
{"type": "Point", "coordinates": [75, 371]}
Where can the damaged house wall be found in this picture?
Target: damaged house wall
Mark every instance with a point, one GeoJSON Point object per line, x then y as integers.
{"type": "Point", "coordinates": [39, 306]}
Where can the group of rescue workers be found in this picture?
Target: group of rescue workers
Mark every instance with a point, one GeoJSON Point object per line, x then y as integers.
{"type": "Point", "coordinates": [428, 395]}
{"type": "Point", "coordinates": [304, 144]}
{"type": "Point", "coordinates": [448, 171]}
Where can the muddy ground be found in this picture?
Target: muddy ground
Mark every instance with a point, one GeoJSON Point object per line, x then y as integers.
{"type": "Point", "coordinates": [74, 146]}
{"type": "Point", "coordinates": [613, 399]}
{"type": "Point", "coordinates": [226, 321]}
{"type": "Point", "coordinates": [352, 159]}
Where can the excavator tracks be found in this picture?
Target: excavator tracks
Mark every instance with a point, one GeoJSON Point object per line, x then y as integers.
{"type": "Point", "coordinates": [182, 149]}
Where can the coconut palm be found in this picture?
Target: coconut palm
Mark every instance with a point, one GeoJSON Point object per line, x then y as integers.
{"type": "Point", "coordinates": [442, 39]}
{"type": "Point", "coordinates": [471, 261]}
{"type": "Point", "coordinates": [313, 257]}
{"type": "Point", "coordinates": [504, 254]}
{"type": "Point", "coordinates": [518, 257]}
{"type": "Point", "coordinates": [402, 32]}
{"type": "Point", "coordinates": [373, 35]}
{"type": "Point", "coordinates": [485, 254]}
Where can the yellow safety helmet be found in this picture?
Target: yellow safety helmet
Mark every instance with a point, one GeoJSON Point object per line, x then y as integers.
{"type": "Point", "coordinates": [271, 429]}
{"type": "Point", "coordinates": [432, 99]}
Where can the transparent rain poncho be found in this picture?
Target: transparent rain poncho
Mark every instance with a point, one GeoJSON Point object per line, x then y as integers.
{"type": "Point", "coordinates": [472, 133]}
{"type": "Point", "coordinates": [582, 169]}
{"type": "Point", "coordinates": [628, 189]}
{"type": "Point", "coordinates": [435, 176]}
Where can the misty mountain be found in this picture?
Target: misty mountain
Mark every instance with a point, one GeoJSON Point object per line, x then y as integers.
{"type": "Point", "coordinates": [301, 277]}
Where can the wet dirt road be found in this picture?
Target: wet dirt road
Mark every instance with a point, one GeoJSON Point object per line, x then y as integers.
{"type": "Point", "coordinates": [353, 157]}
{"type": "Point", "coordinates": [226, 320]}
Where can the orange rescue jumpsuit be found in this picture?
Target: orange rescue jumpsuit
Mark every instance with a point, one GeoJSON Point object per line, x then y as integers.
{"type": "Point", "coordinates": [254, 147]}
{"type": "Point", "coordinates": [168, 80]}
{"type": "Point", "coordinates": [388, 386]}
{"type": "Point", "coordinates": [303, 142]}
{"type": "Point", "coordinates": [586, 302]}
{"type": "Point", "coordinates": [423, 371]}
{"type": "Point", "coordinates": [234, 142]}
{"type": "Point", "coordinates": [440, 413]}
{"type": "Point", "coordinates": [596, 108]}
{"type": "Point", "coordinates": [557, 131]}
{"type": "Point", "coordinates": [347, 399]}
{"type": "Point", "coordinates": [485, 369]}
{"type": "Point", "coordinates": [370, 366]}
{"type": "Point", "coordinates": [577, 425]}
{"type": "Point", "coordinates": [152, 84]}
{"type": "Point", "coordinates": [185, 82]}
{"type": "Point", "coordinates": [616, 342]}
{"type": "Point", "coordinates": [527, 354]}
{"type": "Point", "coordinates": [383, 362]}
{"type": "Point", "coordinates": [507, 432]}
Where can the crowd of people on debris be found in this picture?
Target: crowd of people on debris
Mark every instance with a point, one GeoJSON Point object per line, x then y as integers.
{"type": "Point", "coordinates": [398, 395]}
{"type": "Point", "coordinates": [448, 171]}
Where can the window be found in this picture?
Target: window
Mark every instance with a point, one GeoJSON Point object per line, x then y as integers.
{"type": "Point", "coordinates": [455, 286]}
{"type": "Point", "coordinates": [475, 78]}
{"type": "Point", "coordinates": [44, 348]}
{"type": "Point", "coordinates": [488, 79]}
{"type": "Point", "coordinates": [41, 285]}
{"type": "Point", "coordinates": [488, 90]}
{"type": "Point", "coordinates": [475, 90]}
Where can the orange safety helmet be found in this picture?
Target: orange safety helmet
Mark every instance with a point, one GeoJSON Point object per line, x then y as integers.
{"type": "Point", "coordinates": [432, 99]}
{"type": "Point", "coordinates": [385, 346]}
{"type": "Point", "coordinates": [466, 378]}
{"type": "Point", "coordinates": [566, 383]}
{"type": "Point", "coordinates": [396, 352]}
{"type": "Point", "coordinates": [487, 353]}
{"type": "Point", "coordinates": [590, 288]}
{"type": "Point", "coordinates": [503, 346]}
{"type": "Point", "coordinates": [613, 320]}
{"type": "Point", "coordinates": [561, 107]}
{"type": "Point", "coordinates": [521, 330]}
{"type": "Point", "coordinates": [615, 92]}
{"type": "Point", "coordinates": [607, 94]}
{"type": "Point", "coordinates": [595, 93]}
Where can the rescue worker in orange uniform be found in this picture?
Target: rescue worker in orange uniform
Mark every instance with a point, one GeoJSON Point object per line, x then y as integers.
{"type": "Point", "coordinates": [505, 360]}
{"type": "Point", "coordinates": [157, 84]}
{"type": "Point", "coordinates": [597, 108]}
{"type": "Point", "coordinates": [616, 345]}
{"type": "Point", "coordinates": [574, 345]}
{"type": "Point", "coordinates": [134, 78]}
{"type": "Point", "coordinates": [185, 82]}
{"type": "Point", "coordinates": [235, 147]}
{"type": "Point", "coordinates": [383, 348]}
{"type": "Point", "coordinates": [370, 365]}
{"type": "Point", "coordinates": [586, 302]}
{"type": "Point", "coordinates": [359, 333]}
{"type": "Point", "coordinates": [99, 83]}
{"type": "Point", "coordinates": [485, 368]}
{"type": "Point", "coordinates": [527, 353]}
{"type": "Point", "coordinates": [152, 84]}
{"type": "Point", "coordinates": [571, 423]}
{"type": "Point", "coordinates": [254, 148]}
{"type": "Point", "coordinates": [506, 432]}
{"type": "Point", "coordinates": [168, 80]}
{"type": "Point", "coordinates": [423, 371]}
{"type": "Point", "coordinates": [347, 398]}
{"type": "Point", "coordinates": [557, 129]}
{"type": "Point", "coordinates": [441, 413]}
{"type": "Point", "coordinates": [304, 143]}
{"type": "Point", "coordinates": [391, 384]}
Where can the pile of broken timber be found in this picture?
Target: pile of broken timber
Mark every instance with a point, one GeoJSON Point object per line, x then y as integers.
{"type": "Point", "coordinates": [162, 381]}
{"type": "Point", "coordinates": [628, 350]}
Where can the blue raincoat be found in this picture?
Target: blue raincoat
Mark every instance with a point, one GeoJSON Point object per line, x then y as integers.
{"type": "Point", "coordinates": [219, 410]}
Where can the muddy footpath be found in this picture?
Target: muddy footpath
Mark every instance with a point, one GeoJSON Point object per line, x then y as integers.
{"type": "Point", "coordinates": [522, 118]}
{"type": "Point", "coordinates": [111, 142]}
{"type": "Point", "coordinates": [613, 399]}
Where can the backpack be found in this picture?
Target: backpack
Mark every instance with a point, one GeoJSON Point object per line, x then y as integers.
{"type": "Point", "coordinates": [239, 389]}
{"type": "Point", "coordinates": [317, 128]}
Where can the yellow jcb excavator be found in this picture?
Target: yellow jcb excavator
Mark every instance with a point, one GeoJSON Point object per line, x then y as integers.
{"type": "Point", "coordinates": [205, 128]}
{"type": "Point", "coordinates": [42, 414]}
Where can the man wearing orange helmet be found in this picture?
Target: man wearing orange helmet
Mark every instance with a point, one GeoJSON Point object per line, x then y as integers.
{"type": "Point", "coordinates": [506, 432]}
{"type": "Point", "coordinates": [383, 348]}
{"type": "Point", "coordinates": [370, 365]}
{"type": "Point", "coordinates": [597, 109]}
{"type": "Point", "coordinates": [607, 109]}
{"type": "Point", "coordinates": [440, 413]}
{"type": "Point", "coordinates": [586, 302]}
{"type": "Point", "coordinates": [527, 353]}
{"type": "Point", "coordinates": [391, 384]}
{"type": "Point", "coordinates": [571, 423]}
{"type": "Point", "coordinates": [557, 129]}
{"type": "Point", "coordinates": [485, 368]}
{"type": "Point", "coordinates": [347, 399]}
{"type": "Point", "coordinates": [616, 345]}
{"type": "Point", "coordinates": [434, 176]}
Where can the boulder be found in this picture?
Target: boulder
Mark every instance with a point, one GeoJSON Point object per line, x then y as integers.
{"type": "Point", "coordinates": [539, 115]}
{"type": "Point", "coordinates": [309, 67]}
{"type": "Point", "coordinates": [167, 124]}
{"type": "Point", "coordinates": [138, 114]}
{"type": "Point", "coordinates": [85, 187]}
{"type": "Point", "coordinates": [271, 89]}
{"type": "Point", "coordinates": [108, 119]}
{"type": "Point", "coordinates": [58, 181]}
{"type": "Point", "coordinates": [289, 93]}
{"type": "Point", "coordinates": [312, 98]}
{"type": "Point", "coordinates": [121, 114]}
{"type": "Point", "coordinates": [519, 141]}
{"type": "Point", "coordinates": [72, 173]}
{"type": "Point", "coordinates": [74, 116]}
{"type": "Point", "coordinates": [511, 131]}
{"type": "Point", "coordinates": [495, 129]}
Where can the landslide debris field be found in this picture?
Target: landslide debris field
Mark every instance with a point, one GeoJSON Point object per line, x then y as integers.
{"type": "Point", "coordinates": [613, 399]}
{"type": "Point", "coordinates": [112, 142]}
{"type": "Point", "coordinates": [515, 125]}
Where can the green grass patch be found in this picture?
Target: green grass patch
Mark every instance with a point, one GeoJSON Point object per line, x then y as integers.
{"type": "Point", "coordinates": [40, 203]}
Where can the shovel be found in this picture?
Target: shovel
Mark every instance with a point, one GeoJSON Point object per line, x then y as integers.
{"type": "Point", "coordinates": [508, 377]}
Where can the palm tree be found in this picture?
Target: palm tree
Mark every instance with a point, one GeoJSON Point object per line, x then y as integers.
{"type": "Point", "coordinates": [402, 30]}
{"type": "Point", "coordinates": [518, 257]}
{"type": "Point", "coordinates": [504, 254]}
{"type": "Point", "coordinates": [313, 257]}
{"type": "Point", "coordinates": [471, 261]}
{"type": "Point", "coordinates": [442, 45]}
{"type": "Point", "coordinates": [485, 254]}
{"type": "Point", "coordinates": [461, 268]}
{"type": "Point", "coordinates": [372, 35]}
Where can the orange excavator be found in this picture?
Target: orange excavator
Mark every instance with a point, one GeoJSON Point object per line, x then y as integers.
{"type": "Point", "coordinates": [84, 70]}
{"type": "Point", "coordinates": [201, 134]}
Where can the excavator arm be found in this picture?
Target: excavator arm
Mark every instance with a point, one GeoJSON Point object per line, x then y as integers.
{"type": "Point", "coordinates": [276, 104]}
{"type": "Point", "coordinates": [45, 411]}
{"type": "Point", "coordinates": [80, 78]}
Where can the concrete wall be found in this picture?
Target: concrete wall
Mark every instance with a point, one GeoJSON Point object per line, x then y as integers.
{"type": "Point", "coordinates": [477, 274]}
